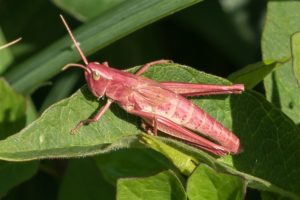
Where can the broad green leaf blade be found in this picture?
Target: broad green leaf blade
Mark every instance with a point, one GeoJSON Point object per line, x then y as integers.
{"type": "Point", "coordinates": [49, 136]}
{"type": "Point", "coordinates": [207, 184]}
{"type": "Point", "coordinates": [164, 185]}
{"type": "Point", "coordinates": [132, 162]}
{"type": "Point", "coordinates": [296, 55]}
{"type": "Point", "coordinates": [270, 139]}
{"type": "Point", "coordinates": [12, 119]}
{"type": "Point", "coordinates": [85, 10]}
{"type": "Point", "coordinates": [282, 89]}
{"type": "Point", "coordinates": [190, 156]}
{"type": "Point", "coordinates": [82, 180]}
{"type": "Point", "coordinates": [252, 74]}
{"type": "Point", "coordinates": [102, 31]}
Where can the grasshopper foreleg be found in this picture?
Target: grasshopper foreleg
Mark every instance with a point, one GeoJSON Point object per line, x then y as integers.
{"type": "Point", "coordinates": [95, 118]}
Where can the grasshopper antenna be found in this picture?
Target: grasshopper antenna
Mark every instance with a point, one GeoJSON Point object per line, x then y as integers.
{"type": "Point", "coordinates": [76, 65]}
{"type": "Point", "coordinates": [10, 43]}
{"type": "Point", "coordinates": [74, 41]}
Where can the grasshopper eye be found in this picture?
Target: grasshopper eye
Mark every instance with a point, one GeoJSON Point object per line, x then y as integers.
{"type": "Point", "coordinates": [96, 75]}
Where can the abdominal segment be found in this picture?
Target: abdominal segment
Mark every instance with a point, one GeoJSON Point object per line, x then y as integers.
{"type": "Point", "coordinates": [183, 112]}
{"type": "Point", "coordinates": [186, 114]}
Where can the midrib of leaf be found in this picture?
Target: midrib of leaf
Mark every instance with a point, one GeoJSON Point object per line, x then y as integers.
{"type": "Point", "coordinates": [107, 28]}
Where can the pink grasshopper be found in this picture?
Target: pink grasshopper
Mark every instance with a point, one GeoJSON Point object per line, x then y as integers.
{"type": "Point", "coordinates": [162, 106]}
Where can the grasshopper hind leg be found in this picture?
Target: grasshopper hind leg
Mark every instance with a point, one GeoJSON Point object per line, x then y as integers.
{"type": "Point", "coordinates": [148, 128]}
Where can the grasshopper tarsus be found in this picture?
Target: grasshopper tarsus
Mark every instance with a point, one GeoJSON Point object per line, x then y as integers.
{"type": "Point", "coordinates": [96, 118]}
{"type": "Point", "coordinates": [76, 128]}
{"type": "Point", "coordinates": [80, 124]}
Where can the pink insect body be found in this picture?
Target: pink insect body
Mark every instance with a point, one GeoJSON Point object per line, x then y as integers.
{"type": "Point", "coordinates": [162, 106]}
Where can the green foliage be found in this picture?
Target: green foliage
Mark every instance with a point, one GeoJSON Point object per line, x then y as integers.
{"type": "Point", "coordinates": [164, 185]}
{"type": "Point", "coordinates": [114, 157]}
{"type": "Point", "coordinates": [282, 88]}
{"type": "Point", "coordinates": [252, 74]}
{"type": "Point", "coordinates": [112, 25]}
{"type": "Point", "coordinates": [85, 10]}
{"type": "Point", "coordinates": [5, 54]}
{"type": "Point", "coordinates": [206, 183]}
{"type": "Point", "coordinates": [83, 180]}
{"type": "Point", "coordinates": [12, 119]}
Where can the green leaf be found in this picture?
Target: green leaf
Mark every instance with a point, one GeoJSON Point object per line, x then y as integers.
{"type": "Point", "coordinates": [282, 89]}
{"type": "Point", "coordinates": [267, 135]}
{"type": "Point", "coordinates": [207, 184]}
{"type": "Point", "coordinates": [252, 74]}
{"type": "Point", "coordinates": [49, 136]}
{"type": "Point", "coordinates": [164, 185]}
{"type": "Point", "coordinates": [269, 138]}
{"type": "Point", "coordinates": [296, 55]}
{"type": "Point", "coordinates": [12, 119]}
{"type": "Point", "coordinates": [185, 163]}
{"type": "Point", "coordinates": [82, 180]}
{"type": "Point", "coordinates": [104, 30]}
{"type": "Point", "coordinates": [31, 113]}
{"type": "Point", "coordinates": [88, 9]}
{"type": "Point", "coordinates": [132, 162]}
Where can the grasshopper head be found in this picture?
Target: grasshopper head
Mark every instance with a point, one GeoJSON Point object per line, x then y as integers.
{"type": "Point", "coordinates": [97, 75]}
